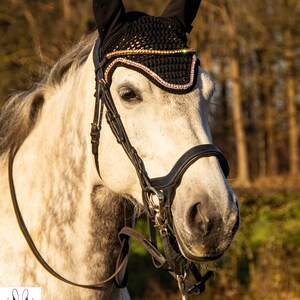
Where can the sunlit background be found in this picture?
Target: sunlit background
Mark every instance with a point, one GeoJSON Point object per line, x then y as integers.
{"type": "Point", "coordinates": [252, 50]}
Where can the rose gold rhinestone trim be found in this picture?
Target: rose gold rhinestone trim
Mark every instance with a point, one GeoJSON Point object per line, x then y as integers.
{"type": "Point", "coordinates": [153, 74]}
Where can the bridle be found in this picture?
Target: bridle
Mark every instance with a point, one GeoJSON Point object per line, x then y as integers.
{"type": "Point", "coordinates": [163, 188]}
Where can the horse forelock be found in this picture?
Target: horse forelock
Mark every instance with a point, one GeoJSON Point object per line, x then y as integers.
{"type": "Point", "coordinates": [19, 114]}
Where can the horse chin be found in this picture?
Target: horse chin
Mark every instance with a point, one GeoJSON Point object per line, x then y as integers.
{"type": "Point", "coordinates": [199, 251]}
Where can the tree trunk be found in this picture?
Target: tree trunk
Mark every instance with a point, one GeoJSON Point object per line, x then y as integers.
{"type": "Point", "coordinates": [267, 145]}
{"type": "Point", "coordinates": [293, 130]}
{"type": "Point", "coordinates": [291, 106]}
{"type": "Point", "coordinates": [34, 28]}
{"type": "Point", "coordinates": [241, 142]}
{"type": "Point", "coordinates": [270, 137]}
{"type": "Point", "coordinates": [267, 83]}
{"type": "Point", "coordinates": [67, 16]}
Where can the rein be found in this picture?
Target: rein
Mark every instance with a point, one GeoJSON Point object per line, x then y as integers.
{"type": "Point", "coordinates": [163, 188]}
{"type": "Point", "coordinates": [121, 261]}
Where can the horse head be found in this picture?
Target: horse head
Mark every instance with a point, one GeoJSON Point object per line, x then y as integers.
{"type": "Point", "coordinates": [162, 96]}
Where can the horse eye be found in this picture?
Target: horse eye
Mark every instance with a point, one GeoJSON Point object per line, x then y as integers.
{"type": "Point", "coordinates": [129, 95]}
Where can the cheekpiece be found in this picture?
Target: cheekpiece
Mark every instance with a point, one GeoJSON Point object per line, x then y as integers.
{"type": "Point", "coordinates": [155, 47]}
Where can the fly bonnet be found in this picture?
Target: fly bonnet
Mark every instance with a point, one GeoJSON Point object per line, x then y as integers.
{"type": "Point", "coordinates": [154, 46]}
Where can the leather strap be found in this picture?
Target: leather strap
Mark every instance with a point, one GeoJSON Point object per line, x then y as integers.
{"type": "Point", "coordinates": [128, 231]}
{"type": "Point", "coordinates": [99, 107]}
{"type": "Point", "coordinates": [160, 260]}
{"type": "Point", "coordinates": [185, 161]}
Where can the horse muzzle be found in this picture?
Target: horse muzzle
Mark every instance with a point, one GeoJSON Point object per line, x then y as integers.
{"type": "Point", "coordinates": [202, 229]}
{"type": "Point", "coordinates": [202, 232]}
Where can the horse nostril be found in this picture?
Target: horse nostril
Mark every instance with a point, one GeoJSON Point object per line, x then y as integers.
{"type": "Point", "coordinates": [201, 219]}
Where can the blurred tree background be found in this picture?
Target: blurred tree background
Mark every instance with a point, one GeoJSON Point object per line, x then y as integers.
{"type": "Point", "coordinates": [252, 49]}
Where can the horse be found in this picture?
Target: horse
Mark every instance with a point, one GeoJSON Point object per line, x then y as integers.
{"type": "Point", "coordinates": [73, 215]}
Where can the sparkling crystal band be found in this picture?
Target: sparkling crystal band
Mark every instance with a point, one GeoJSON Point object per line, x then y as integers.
{"type": "Point", "coordinates": [153, 74]}
{"type": "Point", "coordinates": [149, 52]}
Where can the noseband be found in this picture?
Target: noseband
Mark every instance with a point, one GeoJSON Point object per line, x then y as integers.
{"type": "Point", "coordinates": [163, 188]}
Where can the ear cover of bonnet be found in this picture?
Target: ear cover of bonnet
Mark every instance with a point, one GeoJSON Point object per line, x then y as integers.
{"type": "Point", "coordinates": [154, 46]}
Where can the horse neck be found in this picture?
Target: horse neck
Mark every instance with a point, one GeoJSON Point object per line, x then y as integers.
{"type": "Point", "coordinates": [75, 223]}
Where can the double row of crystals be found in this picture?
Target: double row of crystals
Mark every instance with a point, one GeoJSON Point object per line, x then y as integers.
{"type": "Point", "coordinates": [149, 71]}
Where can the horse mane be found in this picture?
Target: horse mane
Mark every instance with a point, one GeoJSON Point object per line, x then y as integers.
{"type": "Point", "coordinates": [19, 114]}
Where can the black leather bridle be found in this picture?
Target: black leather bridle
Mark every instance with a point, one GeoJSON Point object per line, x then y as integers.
{"type": "Point", "coordinates": [163, 188]}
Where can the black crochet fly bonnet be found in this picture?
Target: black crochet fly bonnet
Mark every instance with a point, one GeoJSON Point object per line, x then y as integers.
{"type": "Point", "coordinates": [154, 46]}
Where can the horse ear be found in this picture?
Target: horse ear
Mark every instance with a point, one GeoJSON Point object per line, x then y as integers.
{"type": "Point", "coordinates": [182, 11]}
{"type": "Point", "coordinates": [109, 16]}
